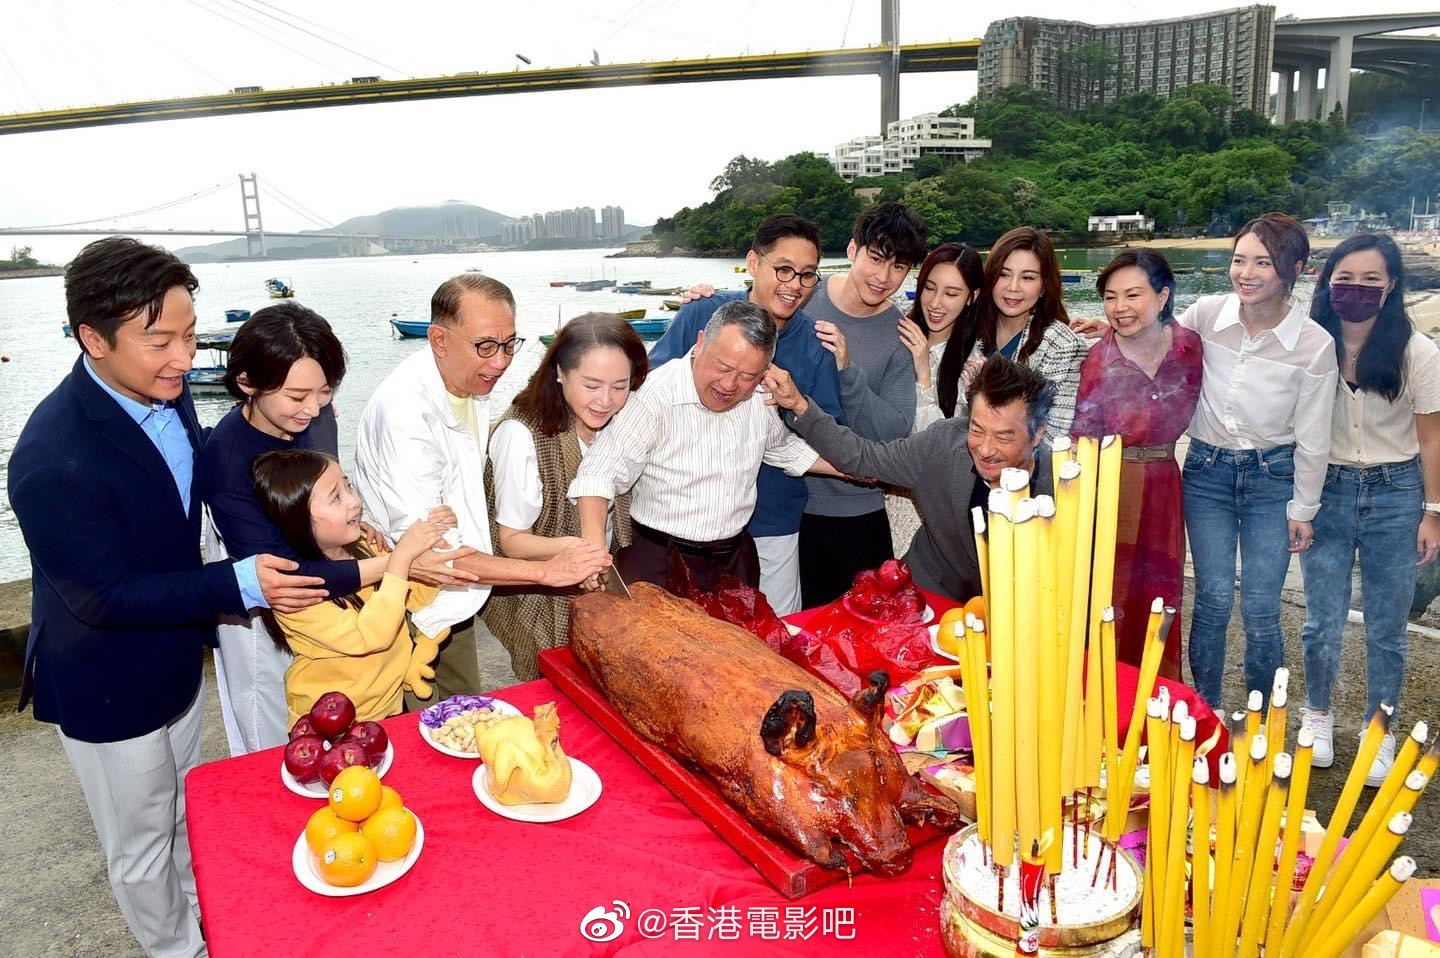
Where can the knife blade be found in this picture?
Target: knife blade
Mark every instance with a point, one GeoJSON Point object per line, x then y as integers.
{"type": "Point", "coordinates": [614, 583]}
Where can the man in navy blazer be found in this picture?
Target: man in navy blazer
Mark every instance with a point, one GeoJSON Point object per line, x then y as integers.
{"type": "Point", "coordinates": [123, 603]}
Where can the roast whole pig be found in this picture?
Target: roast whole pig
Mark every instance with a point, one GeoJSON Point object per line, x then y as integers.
{"type": "Point", "coordinates": [787, 750]}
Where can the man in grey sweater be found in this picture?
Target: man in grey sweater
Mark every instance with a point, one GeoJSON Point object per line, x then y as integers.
{"type": "Point", "coordinates": [951, 465]}
{"type": "Point", "coordinates": [845, 528]}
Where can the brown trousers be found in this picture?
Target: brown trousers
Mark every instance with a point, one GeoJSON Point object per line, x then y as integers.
{"type": "Point", "coordinates": [647, 561]}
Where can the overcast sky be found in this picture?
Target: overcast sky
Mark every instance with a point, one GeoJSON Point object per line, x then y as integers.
{"type": "Point", "coordinates": [649, 150]}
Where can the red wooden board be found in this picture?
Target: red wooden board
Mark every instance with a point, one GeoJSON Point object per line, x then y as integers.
{"type": "Point", "coordinates": [791, 875]}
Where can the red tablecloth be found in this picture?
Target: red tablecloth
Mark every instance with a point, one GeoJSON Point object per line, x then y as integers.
{"type": "Point", "coordinates": [485, 885]}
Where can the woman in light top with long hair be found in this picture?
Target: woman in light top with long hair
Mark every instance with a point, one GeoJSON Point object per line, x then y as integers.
{"type": "Point", "coordinates": [1381, 497]}
{"type": "Point", "coordinates": [1258, 447]}
{"type": "Point", "coordinates": [1022, 316]}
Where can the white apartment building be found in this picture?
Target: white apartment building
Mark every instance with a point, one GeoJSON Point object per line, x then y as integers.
{"type": "Point", "coordinates": [904, 142]}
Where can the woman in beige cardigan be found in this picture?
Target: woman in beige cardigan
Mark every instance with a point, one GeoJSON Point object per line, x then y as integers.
{"type": "Point", "coordinates": [587, 375]}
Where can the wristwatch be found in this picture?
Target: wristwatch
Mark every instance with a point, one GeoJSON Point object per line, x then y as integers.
{"type": "Point", "coordinates": [1431, 508]}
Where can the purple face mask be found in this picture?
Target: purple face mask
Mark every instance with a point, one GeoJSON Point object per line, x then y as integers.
{"type": "Point", "coordinates": [1354, 302]}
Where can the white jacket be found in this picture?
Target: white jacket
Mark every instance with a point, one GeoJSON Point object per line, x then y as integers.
{"type": "Point", "coordinates": [411, 455]}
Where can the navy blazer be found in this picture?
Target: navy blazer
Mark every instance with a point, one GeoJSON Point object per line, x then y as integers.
{"type": "Point", "coordinates": [123, 605]}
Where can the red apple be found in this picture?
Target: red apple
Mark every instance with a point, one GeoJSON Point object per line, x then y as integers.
{"type": "Point", "coordinates": [372, 736]}
{"type": "Point", "coordinates": [341, 757]}
{"type": "Point", "coordinates": [303, 726]}
{"type": "Point", "coordinates": [332, 714]}
{"type": "Point", "coordinates": [894, 575]}
{"type": "Point", "coordinates": [303, 756]}
{"type": "Point", "coordinates": [867, 578]}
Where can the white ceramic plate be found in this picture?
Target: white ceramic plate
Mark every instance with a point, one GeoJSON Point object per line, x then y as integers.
{"type": "Point", "coordinates": [584, 792]}
{"type": "Point", "coordinates": [318, 789]}
{"type": "Point", "coordinates": [305, 866]}
{"type": "Point", "coordinates": [498, 705]}
{"type": "Point", "coordinates": [935, 644]}
{"type": "Point", "coordinates": [929, 616]}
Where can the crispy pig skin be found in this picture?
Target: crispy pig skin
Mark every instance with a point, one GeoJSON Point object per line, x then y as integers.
{"type": "Point", "coordinates": [701, 689]}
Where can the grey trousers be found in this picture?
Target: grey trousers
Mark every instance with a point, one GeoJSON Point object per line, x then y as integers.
{"type": "Point", "coordinates": [135, 790]}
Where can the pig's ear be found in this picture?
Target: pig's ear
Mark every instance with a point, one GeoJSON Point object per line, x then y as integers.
{"type": "Point", "coordinates": [789, 723]}
{"type": "Point", "coordinates": [870, 701]}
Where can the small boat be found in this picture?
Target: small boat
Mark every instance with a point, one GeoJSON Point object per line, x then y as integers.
{"type": "Point", "coordinates": [741, 269]}
{"type": "Point", "coordinates": [638, 286]}
{"type": "Point", "coordinates": [1182, 270]}
{"type": "Point", "coordinates": [473, 269]}
{"type": "Point", "coordinates": [834, 267]}
{"type": "Point", "coordinates": [279, 289]}
{"type": "Point", "coordinates": [411, 328]}
{"type": "Point", "coordinates": [65, 328]}
{"type": "Point", "coordinates": [210, 379]}
{"type": "Point", "coordinates": [1212, 270]}
{"type": "Point", "coordinates": [590, 285]}
{"type": "Point", "coordinates": [662, 291]}
{"type": "Point", "coordinates": [909, 294]}
{"type": "Point", "coordinates": [561, 283]}
{"type": "Point", "coordinates": [648, 329]}
{"type": "Point", "coordinates": [1073, 275]}
{"type": "Point", "coordinates": [236, 315]}
{"type": "Point", "coordinates": [670, 305]}
{"type": "Point", "coordinates": [629, 314]}
{"type": "Point", "coordinates": [749, 283]}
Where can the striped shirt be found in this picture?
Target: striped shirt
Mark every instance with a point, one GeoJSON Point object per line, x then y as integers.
{"type": "Point", "coordinates": [691, 471]}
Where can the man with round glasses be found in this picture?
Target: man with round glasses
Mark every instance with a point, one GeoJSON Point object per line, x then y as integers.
{"type": "Point", "coordinates": [783, 261]}
{"type": "Point", "coordinates": [421, 444]}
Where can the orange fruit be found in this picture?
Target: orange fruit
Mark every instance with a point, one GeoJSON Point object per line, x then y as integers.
{"type": "Point", "coordinates": [390, 798]}
{"type": "Point", "coordinates": [347, 860]}
{"type": "Point", "coordinates": [325, 825]}
{"type": "Point", "coordinates": [393, 832]}
{"type": "Point", "coordinates": [355, 793]}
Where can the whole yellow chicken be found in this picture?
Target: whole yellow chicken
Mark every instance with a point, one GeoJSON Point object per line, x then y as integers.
{"type": "Point", "coordinates": [524, 757]}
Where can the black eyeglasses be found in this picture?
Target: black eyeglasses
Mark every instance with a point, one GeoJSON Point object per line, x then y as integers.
{"type": "Point", "coordinates": [486, 348]}
{"type": "Point", "coordinates": [786, 273]}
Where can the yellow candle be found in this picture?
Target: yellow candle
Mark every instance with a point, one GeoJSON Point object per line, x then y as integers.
{"type": "Point", "coordinates": [1157, 733]}
{"type": "Point", "coordinates": [976, 679]}
{"type": "Point", "coordinates": [1224, 856]}
{"type": "Point", "coordinates": [1102, 580]}
{"type": "Point", "coordinates": [1430, 761]}
{"type": "Point", "coordinates": [1279, 712]}
{"type": "Point", "coordinates": [1290, 843]}
{"type": "Point", "coordinates": [1067, 508]}
{"type": "Point", "coordinates": [1172, 913]}
{"type": "Point", "coordinates": [1295, 932]}
{"type": "Point", "coordinates": [1051, 701]}
{"type": "Point", "coordinates": [1240, 745]}
{"type": "Point", "coordinates": [1252, 804]}
{"type": "Point", "coordinates": [1257, 899]}
{"type": "Point", "coordinates": [1200, 856]}
{"type": "Point", "coordinates": [1108, 689]}
{"type": "Point", "coordinates": [1372, 860]}
{"type": "Point", "coordinates": [1027, 687]}
{"type": "Point", "coordinates": [1001, 628]}
{"type": "Point", "coordinates": [1149, 668]}
{"type": "Point", "coordinates": [1017, 483]}
{"type": "Point", "coordinates": [1375, 899]}
{"type": "Point", "coordinates": [1377, 815]}
{"type": "Point", "coordinates": [1088, 461]}
{"type": "Point", "coordinates": [982, 549]}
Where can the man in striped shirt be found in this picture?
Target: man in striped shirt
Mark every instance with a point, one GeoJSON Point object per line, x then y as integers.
{"type": "Point", "coordinates": [689, 446]}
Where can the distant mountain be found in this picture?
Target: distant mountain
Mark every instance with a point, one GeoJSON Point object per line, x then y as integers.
{"type": "Point", "coordinates": [453, 219]}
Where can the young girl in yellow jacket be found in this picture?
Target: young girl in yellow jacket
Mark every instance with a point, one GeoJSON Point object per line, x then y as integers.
{"type": "Point", "coordinates": [358, 644]}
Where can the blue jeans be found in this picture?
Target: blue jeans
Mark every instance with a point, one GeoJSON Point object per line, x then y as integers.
{"type": "Point", "coordinates": [1230, 495]}
{"type": "Point", "coordinates": [1376, 512]}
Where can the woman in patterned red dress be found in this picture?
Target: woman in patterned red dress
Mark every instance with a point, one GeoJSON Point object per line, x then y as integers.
{"type": "Point", "coordinates": [1142, 381]}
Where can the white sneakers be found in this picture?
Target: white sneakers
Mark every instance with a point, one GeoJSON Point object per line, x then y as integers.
{"type": "Point", "coordinates": [1322, 726]}
{"type": "Point", "coordinates": [1384, 758]}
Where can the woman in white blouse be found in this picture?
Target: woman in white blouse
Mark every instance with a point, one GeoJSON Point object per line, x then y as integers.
{"type": "Point", "coordinates": [946, 291]}
{"type": "Point", "coordinates": [1258, 446]}
{"type": "Point", "coordinates": [590, 370]}
{"type": "Point", "coordinates": [1382, 487]}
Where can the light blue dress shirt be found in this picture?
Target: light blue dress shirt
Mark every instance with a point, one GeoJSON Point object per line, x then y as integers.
{"type": "Point", "coordinates": [161, 424]}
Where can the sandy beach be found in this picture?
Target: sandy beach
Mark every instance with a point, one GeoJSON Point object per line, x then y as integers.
{"type": "Point", "coordinates": [1424, 311]}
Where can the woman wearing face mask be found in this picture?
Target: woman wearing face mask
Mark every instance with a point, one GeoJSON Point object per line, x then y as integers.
{"type": "Point", "coordinates": [1021, 316]}
{"type": "Point", "coordinates": [1141, 382]}
{"type": "Point", "coordinates": [596, 361]}
{"type": "Point", "coordinates": [1382, 487]}
{"type": "Point", "coordinates": [946, 291]}
{"type": "Point", "coordinates": [1258, 444]}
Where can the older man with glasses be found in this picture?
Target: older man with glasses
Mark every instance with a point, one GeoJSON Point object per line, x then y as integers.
{"type": "Point", "coordinates": [422, 444]}
{"type": "Point", "coordinates": [784, 262]}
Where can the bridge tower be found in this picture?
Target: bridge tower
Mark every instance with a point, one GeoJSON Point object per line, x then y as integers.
{"type": "Point", "coordinates": [254, 227]}
{"type": "Point", "coordinates": [890, 72]}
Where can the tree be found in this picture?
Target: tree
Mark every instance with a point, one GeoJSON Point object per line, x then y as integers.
{"type": "Point", "coordinates": [22, 256]}
{"type": "Point", "coordinates": [1387, 175]}
{"type": "Point", "coordinates": [930, 164]}
{"type": "Point", "coordinates": [1023, 195]}
{"type": "Point", "coordinates": [740, 171]}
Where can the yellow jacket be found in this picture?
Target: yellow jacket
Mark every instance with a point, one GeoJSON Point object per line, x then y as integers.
{"type": "Point", "coordinates": [363, 652]}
